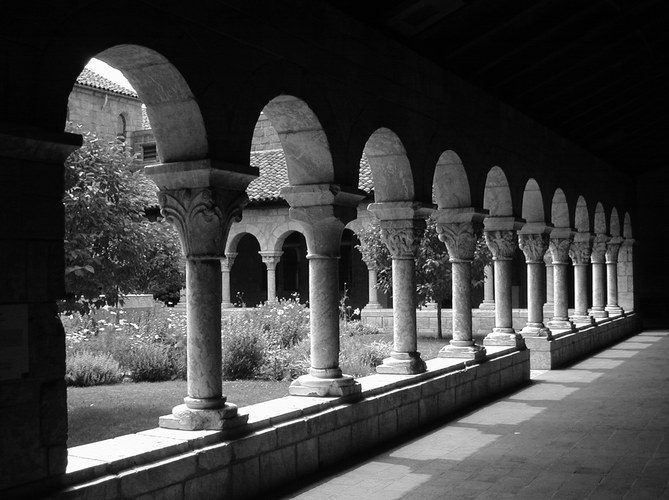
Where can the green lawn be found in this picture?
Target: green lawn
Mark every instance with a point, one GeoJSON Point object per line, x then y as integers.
{"type": "Point", "coordinates": [103, 412]}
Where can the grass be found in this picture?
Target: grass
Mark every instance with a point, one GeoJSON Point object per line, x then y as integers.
{"type": "Point", "coordinates": [108, 411]}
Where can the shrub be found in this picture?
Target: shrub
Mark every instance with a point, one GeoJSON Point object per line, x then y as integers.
{"type": "Point", "coordinates": [359, 355]}
{"type": "Point", "coordinates": [356, 327]}
{"type": "Point", "coordinates": [85, 368]}
{"type": "Point", "coordinates": [148, 362]}
{"type": "Point", "coordinates": [243, 350]}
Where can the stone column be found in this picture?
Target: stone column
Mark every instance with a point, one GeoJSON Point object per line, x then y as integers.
{"type": "Point", "coordinates": [560, 242]}
{"type": "Point", "coordinates": [488, 288]}
{"type": "Point", "coordinates": [456, 230]}
{"type": "Point", "coordinates": [271, 259]}
{"type": "Point", "coordinates": [626, 275]}
{"type": "Point", "coordinates": [402, 225]}
{"type": "Point", "coordinates": [579, 252]}
{"type": "Point", "coordinates": [597, 258]}
{"type": "Point", "coordinates": [534, 246]}
{"type": "Point", "coordinates": [500, 236]}
{"type": "Point", "coordinates": [202, 216]}
{"type": "Point", "coordinates": [372, 292]}
{"type": "Point", "coordinates": [612, 249]}
{"type": "Point", "coordinates": [323, 210]}
{"type": "Point", "coordinates": [548, 305]}
{"type": "Point", "coordinates": [226, 268]}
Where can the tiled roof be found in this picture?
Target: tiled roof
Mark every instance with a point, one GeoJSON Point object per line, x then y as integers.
{"type": "Point", "coordinates": [273, 175]}
{"type": "Point", "coordinates": [89, 78]}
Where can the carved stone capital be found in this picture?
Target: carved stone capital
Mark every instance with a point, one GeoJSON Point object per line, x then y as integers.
{"type": "Point", "coordinates": [228, 261]}
{"type": "Point", "coordinates": [598, 254]}
{"type": "Point", "coordinates": [502, 243]}
{"type": "Point", "coordinates": [271, 259]}
{"type": "Point", "coordinates": [534, 247]}
{"type": "Point", "coordinates": [580, 252]}
{"type": "Point", "coordinates": [202, 217]}
{"type": "Point", "coordinates": [402, 237]}
{"type": "Point", "coordinates": [548, 259]}
{"type": "Point", "coordinates": [612, 249]}
{"type": "Point", "coordinates": [459, 240]}
{"type": "Point", "coordinates": [559, 248]}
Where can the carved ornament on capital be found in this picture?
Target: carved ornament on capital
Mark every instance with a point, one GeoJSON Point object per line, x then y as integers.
{"type": "Point", "coordinates": [271, 260]}
{"type": "Point", "coordinates": [228, 261]}
{"type": "Point", "coordinates": [202, 217]}
{"type": "Point", "coordinates": [580, 252]}
{"type": "Point", "coordinates": [459, 240]}
{"type": "Point", "coordinates": [502, 243]}
{"type": "Point", "coordinates": [559, 248]}
{"type": "Point", "coordinates": [402, 237]}
{"type": "Point", "coordinates": [533, 246]}
{"type": "Point", "coordinates": [612, 250]}
{"type": "Point", "coordinates": [598, 255]}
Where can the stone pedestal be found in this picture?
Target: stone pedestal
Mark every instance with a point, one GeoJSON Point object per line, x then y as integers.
{"type": "Point", "coordinates": [202, 215]}
{"type": "Point", "coordinates": [560, 242]}
{"type": "Point", "coordinates": [534, 246]}
{"type": "Point", "coordinates": [226, 269]}
{"type": "Point", "coordinates": [579, 252]}
{"type": "Point", "coordinates": [597, 258]}
{"type": "Point", "coordinates": [323, 210]}
{"type": "Point", "coordinates": [456, 230]}
{"type": "Point", "coordinates": [271, 259]}
{"type": "Point", "coordinates": [500, 235]}
{"type": "Point", "coordinates": [612, 250]}
{"type": "Point", "coordinates": [402, 224]}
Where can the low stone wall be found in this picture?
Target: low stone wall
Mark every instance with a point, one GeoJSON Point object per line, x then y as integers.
{"type": "Point", "coordinates": [286, 438]}
{"type": "Point", "coordinates": [567, 347]}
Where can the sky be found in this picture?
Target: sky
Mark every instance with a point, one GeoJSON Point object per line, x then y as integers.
{"type": "Point", "coordinates": [108, 72]}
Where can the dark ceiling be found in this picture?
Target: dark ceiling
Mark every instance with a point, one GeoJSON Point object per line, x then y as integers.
{"type": "Point", "coordinates": [596, 71]}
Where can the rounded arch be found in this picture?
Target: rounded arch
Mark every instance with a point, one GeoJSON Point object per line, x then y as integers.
{"type": "Point", "coordinates": [283, 231]}
{"type": "Point", "coordinates": [533, 203]}
{"type": "Point", "coordinates": [388, 161]}
{"type": "Point", "coordinates": [174, 114]}
{"type": "Point", "coordinates": [581, 216]}
{"type": "Point", "coordinates": [236, 235]}
{"type": "Point", "coordinates": [497, 194]}
{"type": "Point", "coordinates": [627, 226]}
{"type": "Point", "coordinates": [303, 140]}
{"type": "Point", "coordinates": [614, 223]}
{"type": "Point", "coordinates": [600, 219]}
{"type": "Point", "coordinates": [451, 185]}
{"type": "Point", "coordinates": [559, 209]}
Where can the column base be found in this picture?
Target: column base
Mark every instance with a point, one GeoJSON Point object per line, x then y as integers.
{"type": "Point", "coordinates": [614, 310]}
{"type": "Point", "coordinates": [583, 319]}
{"type": "Point", "coordinates": [375, 305]}
{"type": "Point", "coordinates": [536, 330]}
{"type": "Point", "coordinates": [504, 337]}
{"type": "Point", "coordinates": [473, 352]}
{"type": "Point", "coordinates": [598, 313]}
{"type": "Point", "coordinates": [227, 305]}
{"type": "Point", "coordinates": [560, 324]}
{"type": "Point", "coordinates": [402, 363]}
{"type": "Point", "coordinates": [189, 419]}
{"type": "Point", "coordinates": [308, 385]}
{"type": "Point", "coordinates": [487, 304]}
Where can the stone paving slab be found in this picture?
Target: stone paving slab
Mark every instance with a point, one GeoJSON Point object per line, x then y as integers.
{"type": "Point", "coordinates": [598, 429]}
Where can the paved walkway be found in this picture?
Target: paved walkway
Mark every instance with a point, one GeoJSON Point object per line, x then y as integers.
{"type": "Point", "coordinates": [596, 430]}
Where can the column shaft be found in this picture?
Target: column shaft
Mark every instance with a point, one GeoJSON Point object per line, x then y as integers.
{"type": "Point", "coordinates": [225, 288]}
{"type": "Point", "coordinates": [373, 293]}
{"type": "Point", "coordinates": [560, 292]}
{"type": "Point", "coordinates": [599, 290]}
{"type": "Point", "coordinates": [535, 299]}
{"type": "Point", "coordinates": [488, 288]}
{"type": "Point", "coordinates": [612, 285]}
{"type": "Point", "coordinates": [580, 290]}
{"type": "Point", "coordinates": [560, 245]}
{"type": "Point", "coordinates": [203, 340]}
{"type": "Point", "coordinates": [503, 286]}
{"type": "Point", "coordinates": [324, 314]}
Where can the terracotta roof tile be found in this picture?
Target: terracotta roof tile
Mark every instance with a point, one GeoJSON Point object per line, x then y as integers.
{"type": "Point", "coordinates": [273, 175]}
{"type": "Point", "coordinates": [89, 78]}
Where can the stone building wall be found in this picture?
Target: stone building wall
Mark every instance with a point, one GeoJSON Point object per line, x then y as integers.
{"type": "Point", "coordinates": [99, 111]}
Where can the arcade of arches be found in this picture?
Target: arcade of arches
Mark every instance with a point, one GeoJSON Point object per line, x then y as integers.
{"type": "Point", "coordinates": [436, 146]}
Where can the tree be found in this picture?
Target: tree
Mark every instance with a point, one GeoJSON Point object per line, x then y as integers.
{"type": "Point", "coordinates": [111, 248]}
{"type": "Point", "coordinates": [433, 269]}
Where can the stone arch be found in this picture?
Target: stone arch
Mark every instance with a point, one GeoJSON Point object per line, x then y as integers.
{"type": "Point", "coordinates": [174, 114]}
{"type": "Point", "coordinates": [283, 231]}
{"type": "Point", "coordinates": [497, 194]}
{"type": "Point", "coordinates": [451, 185]}
{"type": "Point", "coordinates": [559, 209]}
{"type": "Point", "coordinates": [614, 223]}
{"type": "Point", "coordinates": [236, 234]}
{"type": "Point", "coordinates": [600, 219]}
{"type": "Point", "coordinates": [388, 161]}
{"type": "Point", "coordinates": [627, 226]}
{"type": "Point", "coordinates": [581, 216]}
{"type": "Point", "coordinates": [533, 203]}
{"type": "Point", "coordinates": [303, 140]}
